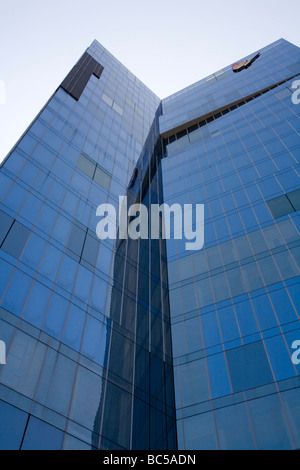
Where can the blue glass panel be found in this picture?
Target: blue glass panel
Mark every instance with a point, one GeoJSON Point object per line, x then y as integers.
{"type": "Point", "coordinates": [37, 304]}
{"type": "Point", "coordinates": [264, 312]}
{"type": "Point", "coordinates": [74, 327]}
{"type": "Point", "coordinates": [96, 340]}
{"type": "Point", "coordinates": [248, 366]}
{"type": "Point", "coordinates": [218, 375]}
{"type": "Point", "coordinates": [234, 429]}
{"type": "Point", "coordinates": [20, 283]}
{"type": "Point", "coordinates": [56, 315]}
{"type": "Point", "coordinates": [200, 432]}
{"type": "Point", "coordinates": [269, 423]}
{"type": "Point", "coordinates": [279, 358]}
{"type": "Point", "coordinates": [210, 329]}
{"type": "Point", "coordinates": [41, 436]}
{"type": "Point", "coordinates": [246, 318]}
{"type": "Point", "coordinates": [194, 382]}
{"type": "Point", "coordinates": [12, 426]}
{"type": "Point", "coordinates": [228, 324]}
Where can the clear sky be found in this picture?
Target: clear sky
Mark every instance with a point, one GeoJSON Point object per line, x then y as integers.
{"type": "Point", "coordinates": [168, 44]}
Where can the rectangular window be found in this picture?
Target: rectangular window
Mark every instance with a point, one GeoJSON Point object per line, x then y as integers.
{"type": "Point", "coordinates": [193, 128]}
{"type": "Point", "coordinates": [107, 99]}
{"type": "Point", "coordinates": [248, 366]}
{"type": "Point", "coordinates": [5, 223]}
{"type": "Point", "coordinates": [280, 206]}
{"type": "Point", "coordinates": [12, 426]}
{"type": "Point", "coordinates": [76, 81]}
{"type": "Point", "coordinates": [86, 165]}
{"type": "Point", "coordinates": [118, 109]}
{"type": "Point", "coordinates": [90, 251]}
{"type": "Point", "coordinates": [283, 93]}
{"type": "Point", "coordinates": [294, 198]}
{"type": "Point", "coordinates": [16, 239]}
{"type": "Point", "coordinates": [181, 134]}
{"type": "Point", "coordinates": [102, 177]}
{"type": "Point", "coordinates": [42, 436]}
{"type": "Point", "coordinates": [76, 241]}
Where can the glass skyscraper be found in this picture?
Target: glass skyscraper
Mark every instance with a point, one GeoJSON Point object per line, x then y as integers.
{"type": "Point", "coordinates": [141, 344]}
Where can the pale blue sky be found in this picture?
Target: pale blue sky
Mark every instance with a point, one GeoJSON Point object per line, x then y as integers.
{"type": "Point", "coordinates": [168, 44]}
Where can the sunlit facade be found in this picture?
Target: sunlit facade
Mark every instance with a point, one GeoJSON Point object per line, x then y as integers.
{"type": "Point", "coordinates": [235, 304]}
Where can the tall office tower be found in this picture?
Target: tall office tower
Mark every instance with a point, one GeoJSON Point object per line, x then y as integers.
{"type": "Point", "coordinates": [232, 141]}
{"type": "Point", "coordinates": [85, 322]}
{"type": "Point", "coordinates": [140, 343]}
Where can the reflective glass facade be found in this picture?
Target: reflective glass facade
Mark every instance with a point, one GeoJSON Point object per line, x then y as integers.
{"type": "Point", "coordinates": [235, 304]}
{"type": "Point", "coordinates": [141, 344]}
{"type": "Point", "coordinates": [85, 322]}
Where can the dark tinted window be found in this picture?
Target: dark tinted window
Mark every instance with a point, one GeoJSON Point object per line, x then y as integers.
{"type": "Point", "coordinates": [248, 366]}
{"type": "Point", "coordinates": [102, 178]}
{"type": "Point", "coordinates": [280, 206]}
{"type": "Point", "coordinates": [5, 223]}
{"type": "Point", "coordinates": [16, 239]}
{"type": "Point", "coordinates": [76, 240]}
{"type": "Point", "coordinates": [294, 198]}
{"type": "Point", "coordinates": [90, 250]}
